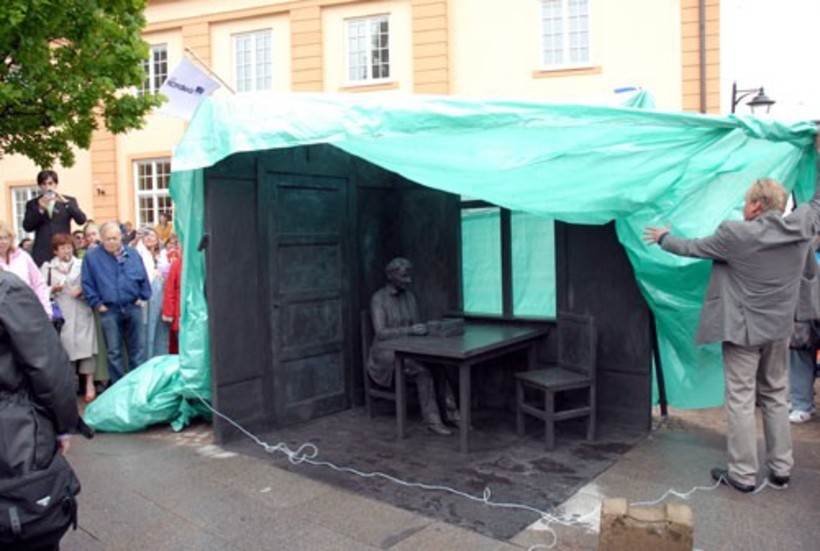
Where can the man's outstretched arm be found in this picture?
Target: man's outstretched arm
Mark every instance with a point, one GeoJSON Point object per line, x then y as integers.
{"type": "Point", "coordinates": [715, 246]}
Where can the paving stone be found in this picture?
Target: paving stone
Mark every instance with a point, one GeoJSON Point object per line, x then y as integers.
{"type": "Point", "coordinates": [440, 536]}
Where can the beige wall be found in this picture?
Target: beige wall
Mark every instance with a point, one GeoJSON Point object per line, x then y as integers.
{"type": "Point", "coordinates": [632, 42]}
{"type": "Point", "coordinates": [159, 11]}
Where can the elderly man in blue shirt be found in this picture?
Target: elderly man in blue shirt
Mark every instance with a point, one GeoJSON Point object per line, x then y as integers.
{"type": "Point", "coordinates": [115, 284]}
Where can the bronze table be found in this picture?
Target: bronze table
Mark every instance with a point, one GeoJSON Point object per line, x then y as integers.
{"type": "Point", "coordinates": [479, 343]}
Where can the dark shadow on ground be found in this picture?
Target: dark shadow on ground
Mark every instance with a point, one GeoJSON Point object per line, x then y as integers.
{"type": "Point", "coordinates": [515, 470]}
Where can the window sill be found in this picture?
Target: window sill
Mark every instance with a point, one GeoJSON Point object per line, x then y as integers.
{"type": "Point", "coordinates": [370, 87]}
{"type": "Point", "coordinates": [568, 72]}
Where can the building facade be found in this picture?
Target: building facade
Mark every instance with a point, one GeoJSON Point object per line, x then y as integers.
{"type": "Point", "coordinates": [539, 50]}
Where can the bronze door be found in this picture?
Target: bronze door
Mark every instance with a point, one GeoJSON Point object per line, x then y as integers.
{"type": "Point", "coordinates": [304, 220]}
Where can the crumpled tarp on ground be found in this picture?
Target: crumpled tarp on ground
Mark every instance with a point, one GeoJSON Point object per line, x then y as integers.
{"type": "Point", "coordinates": [574, 163]}
{"type": "Point", "coordinates": [145, 396]}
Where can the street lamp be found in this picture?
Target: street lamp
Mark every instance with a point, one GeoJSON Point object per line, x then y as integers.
{"type": "Point", "coordinates": [759, 100]}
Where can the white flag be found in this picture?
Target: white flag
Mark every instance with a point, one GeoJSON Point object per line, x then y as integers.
{"type": "Point", "coordinates": [185, 87]}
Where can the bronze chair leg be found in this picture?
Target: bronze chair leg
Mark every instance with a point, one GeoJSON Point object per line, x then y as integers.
{"type": "Point", "coordinates": [549, 418]}
{"type": "Point", "coordinates": [592, 415]}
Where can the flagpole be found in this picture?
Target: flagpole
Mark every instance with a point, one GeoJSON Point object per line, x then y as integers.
{"type": "Point", "coordinates": [205, 66]}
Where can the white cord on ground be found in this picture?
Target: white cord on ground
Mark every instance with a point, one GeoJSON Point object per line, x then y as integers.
{"type": "Point", "coordinates": [308, 452]}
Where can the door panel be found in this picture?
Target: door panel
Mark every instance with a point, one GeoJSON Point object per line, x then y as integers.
{"type": "Point", "coordinates": [238, 338]}
{"type": "Point", "coordinates": [309, 267]}
{"type": "Point", "coordinates": [314, 378]}
{"type": "Point", "coordinates": [308, 323]}
{"type": "Point", "coordinates": [306, 229]}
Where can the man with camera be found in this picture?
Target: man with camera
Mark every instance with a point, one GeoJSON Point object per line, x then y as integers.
{"type": "Point", "coordinates": [48, 214]}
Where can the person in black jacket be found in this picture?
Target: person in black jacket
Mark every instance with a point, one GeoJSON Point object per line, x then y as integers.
{"type": "Point", "coordinates": [37, 400]}
{"type": "Point", "coordinates": [48, 214]}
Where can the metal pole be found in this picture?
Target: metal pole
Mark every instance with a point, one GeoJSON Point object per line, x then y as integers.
{"type": "Point", "coordinates": [656, 354]}
{"type": "Point", "coordinates": [734, 95]}
{"type": "Point", "coordinates": [213, 73]}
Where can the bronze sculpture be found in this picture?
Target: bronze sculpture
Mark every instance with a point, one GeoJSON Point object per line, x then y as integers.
{"type": "Point", "coordinates": [395, 314]}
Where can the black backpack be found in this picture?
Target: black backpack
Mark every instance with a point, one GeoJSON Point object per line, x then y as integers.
{"type": "Point", "coordinates": [36, 509]}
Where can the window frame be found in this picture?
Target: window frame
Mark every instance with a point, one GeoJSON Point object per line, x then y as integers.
{"type": "Point", "coordinates": [150, 66]}
{"type": "Point", "coordinates": [369, 79]}
{"type": "Point", "coordinates": [254, 63]}
{"type": "Point", "coordinates": [155, 192]}
{"type": "Point", "coordinates": [507, 275]}
{"type": "Point", "coordinates": [566, 64]}
{"type": "Point", "coordinates": [17, 217]}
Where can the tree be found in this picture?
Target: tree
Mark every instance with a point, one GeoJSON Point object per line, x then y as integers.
{"type": "Point", "coordinates": [65, 65]}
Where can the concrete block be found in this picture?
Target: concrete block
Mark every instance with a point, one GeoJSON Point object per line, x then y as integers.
{"type": "Point", "coordinates": [667, 527]}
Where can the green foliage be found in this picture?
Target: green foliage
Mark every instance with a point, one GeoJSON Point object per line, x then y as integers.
{"type": "Point", "coordinates": [64, 66]}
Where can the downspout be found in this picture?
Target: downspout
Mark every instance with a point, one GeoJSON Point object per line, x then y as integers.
{"type": "Point", "coordinates": [702, 52]}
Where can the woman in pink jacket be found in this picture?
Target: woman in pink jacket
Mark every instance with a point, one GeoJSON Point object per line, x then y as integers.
{"type": "Point", "coordinates": [18, 262]}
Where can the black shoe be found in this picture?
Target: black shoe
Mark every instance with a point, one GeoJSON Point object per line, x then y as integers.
{"type": "Point", "coordinates": [778, 482]}
{"type": "Point", "coordinates": [439, 428]}
{"type": "Point", "coordinates": [722, 475]}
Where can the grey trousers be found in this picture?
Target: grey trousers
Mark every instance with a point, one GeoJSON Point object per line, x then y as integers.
{"type": "Point", "coordinates": [757, 372]}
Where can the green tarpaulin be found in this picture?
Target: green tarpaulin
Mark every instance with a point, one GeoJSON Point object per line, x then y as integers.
{"type": "Point", "coordinates": [574, 163]}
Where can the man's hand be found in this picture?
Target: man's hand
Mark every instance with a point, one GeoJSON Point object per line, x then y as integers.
{"type": "Point", "coordinates": [167, 319]}
{"type": "Point", "coordinates": [419, 329]}
{"type": "Point", "coordinates": [63, 444]}
{"type": "Point", "coordinates": [43, 202]}
{"type": "Point", "coordinates": [75, 291]}
{"type": "Point", "coordinates": [652, 235]}
{"type": "Point", "coordinates": [102, 309]}
{"type": "Point", "coordinates": [56, 288]}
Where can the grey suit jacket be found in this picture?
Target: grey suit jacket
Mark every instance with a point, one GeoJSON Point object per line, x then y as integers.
{"type": "Point", "coordinates": [754, 287]}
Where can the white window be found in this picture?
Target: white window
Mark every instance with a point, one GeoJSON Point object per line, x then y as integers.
{"type": "Point", "coordinates": [565, 32]}
{"type": "Point", "coordinates": [152, 178]}
{"type": "Point", "coordinates": [253, 61]}
{"type": "Point", "coordinates": [19, 197]}
{"type": "Point", "coordinates": [156, 69]}
{"type": "Point", "coordinates": [368, 49]}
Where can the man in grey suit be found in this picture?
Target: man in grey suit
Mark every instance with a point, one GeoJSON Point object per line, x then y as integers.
{"type": "Point", "coordinates": [750, 308]}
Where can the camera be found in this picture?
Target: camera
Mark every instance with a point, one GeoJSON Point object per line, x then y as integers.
{"type": "Point", "coordinates": [49, 194]}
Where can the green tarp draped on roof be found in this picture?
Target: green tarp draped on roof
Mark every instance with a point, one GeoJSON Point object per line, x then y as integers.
{"type": "Point", "coordinates": [574, 163]}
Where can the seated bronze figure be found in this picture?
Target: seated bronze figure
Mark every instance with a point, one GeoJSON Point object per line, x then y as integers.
{"type": "Point", "coordinates": [395, 314]}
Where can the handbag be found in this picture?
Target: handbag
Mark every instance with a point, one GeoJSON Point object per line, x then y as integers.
{"type": "Point", "coordinates": [57, 317]}
{"type": "Point", "coordinates": [37, 508]}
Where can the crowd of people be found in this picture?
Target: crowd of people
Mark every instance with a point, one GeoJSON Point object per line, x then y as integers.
{"type": "Point", "coordinates": [111, 291]}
